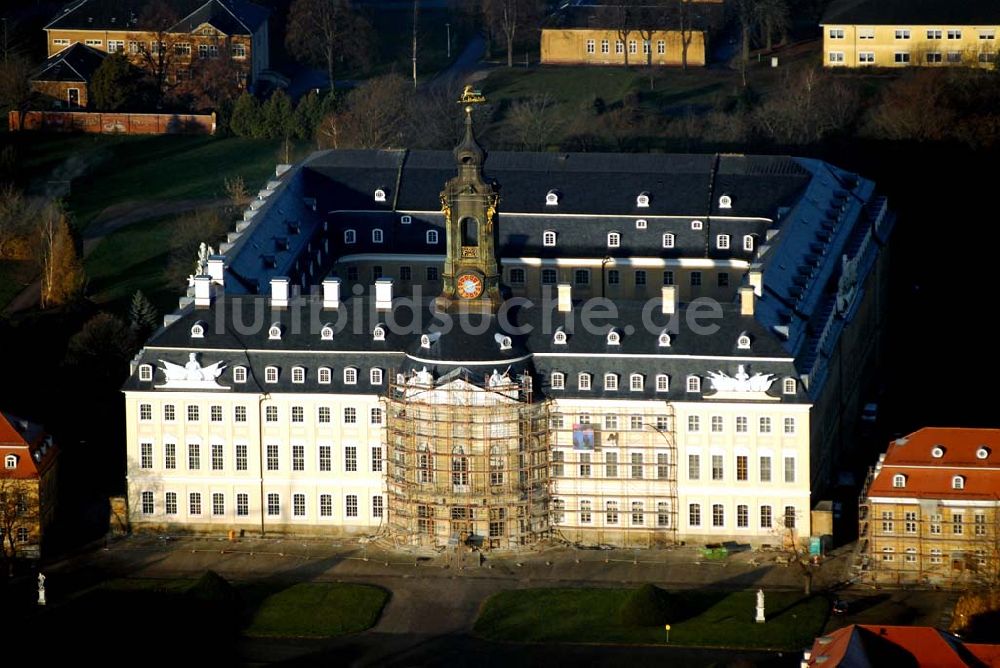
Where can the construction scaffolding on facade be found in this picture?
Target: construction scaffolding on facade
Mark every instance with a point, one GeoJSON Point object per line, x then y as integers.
{"type": "Point", "coordinates": [614, 475]}
{"type": "Point", "coordinates": [468, 461]}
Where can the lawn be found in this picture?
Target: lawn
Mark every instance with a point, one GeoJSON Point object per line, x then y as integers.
{"type": "Point", "coordinates": [710, 618]}
{"type": "Point", "coordinates": [318, 610]}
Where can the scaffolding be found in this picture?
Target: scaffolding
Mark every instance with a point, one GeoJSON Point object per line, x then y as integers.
{"type": "Point", "coordinates": [468, 461]}
{"type": "Point", "coordinates": [613, 474]}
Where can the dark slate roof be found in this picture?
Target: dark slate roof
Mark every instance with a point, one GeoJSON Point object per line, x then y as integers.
{"type": "Point", "coordinates": [76, 63]}
{"type": "Point", "coordinates": [230, 16]}
{"type": "Point", "coordinates": [913, 12]}
{"type": "Point", "coordinates": [583, 14]}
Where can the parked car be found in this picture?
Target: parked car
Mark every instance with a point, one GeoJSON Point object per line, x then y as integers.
{"type": "Point", "coordinates": [840, 607]}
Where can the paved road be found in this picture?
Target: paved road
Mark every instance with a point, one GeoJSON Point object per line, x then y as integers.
{"type": "Point", "coordinates": [463, 69]}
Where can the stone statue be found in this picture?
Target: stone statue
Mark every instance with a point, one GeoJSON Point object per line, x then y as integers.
{"type": "Point", "coordinates": [424, 377]}
{"type": "Point", "coordinates": [201, 266]}
{"type": "Point", "coordinates": [192, 374]}
{"type": "Point", "coordinates": [491, 210]}
{"type": "Point", "coordinates": [760, 606]}
{"type": "Point", "coordinates": [41, 589]}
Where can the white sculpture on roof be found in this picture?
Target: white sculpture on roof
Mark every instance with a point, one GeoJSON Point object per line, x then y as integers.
{"type": "Point", "coordinates": [847, 286]}
{"type": "Point", "coordinates": [192, 375]}
{"type": "Point", "coordinates": [423, 377]}
{"type": "Point", "coordinates": [741, 383]}
{"type": "Point", "coordinates": [497, 379]}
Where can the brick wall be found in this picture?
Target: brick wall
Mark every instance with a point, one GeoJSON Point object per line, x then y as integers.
{"type": "Point", "coordinates": [113, 123]}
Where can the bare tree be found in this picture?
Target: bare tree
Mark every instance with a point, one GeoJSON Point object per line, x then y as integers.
{"type": "Point", "coordinates": [507, 17]}
{"type": "Point", "coordinates": [822, 104]}
{"type": "Point", "coordinates": [684, 14]}
{"type": "Point", "coordinates": [745, 16]}
{"type": "Point", "coordinates": [533, 122]}
{"type": "Point", "coordinates": [770, 17]}
{"type": "Point", "coordinates": [15, 224]}
{"type": "Point", "coordinates": [158, 57]}
{"type": "Point", "coordinates": [324, 33]}
{"type": "Point", "coordinates": [62, 269]}
{"type": "Point", "coordinates": [625, 16]}
{"type": "Point", "coordinates": [18, 514]}
{"type": "Point", "coordinates": [374, 115]}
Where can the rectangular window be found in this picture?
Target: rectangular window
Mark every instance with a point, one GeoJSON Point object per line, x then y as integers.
{"type": "Point", "coordinates": [203, 50]}
{"type": "Point", "coordinates": [217, 457]}
{"type": "Point", "coordinates": [954, 56]}
{"type": "Point", "coordinates": [94, 42]}
{"type": "Point", "coordinates": [765, 468]}
{"type": "Point", "coordinates": [888, 554]}
{"type": "Point", "coordinates": [241, 457]}
{"type": "Point", "coordinates": [723, 279]}
{"type": "Point", "coordinates": [640, 278]}
{"type": "Point", "coordinates": [695, 279]}
{"type": "Point", "coordinates": [742, 424]}
{"type": "Point", "coordinates": [611, 465]}
{"type": "Point", "coordinates": [170, 503]}
{"type": "Point", "coordinates": [146, 455]}
{"type": "Point", "coordinates": [901, 57]}
{"type": "Point", "coordinates": [239, 50]}
{"type": "Point", "coordinates": [934, 57]}
{"type": "Point", "coordinates": [145, 412]}
{"type": "Point", "coordinates": [351, 458]}
{"type": "Point", "coordinates": [194, 503]}
{"type": "Point", "coordinates": [645, 47]}
{"type": "Point", "coordinates": [694, 423]}
{"type": "Point", "coordinates": [298, 414]}
{"type": "Point", "coordinates": [637, 513]}
{"type": "Point", "coordinates": [272, 457]}
{"type": "Point", "coordinates": [325, 458]}
{"type": "Point", "coordinates": [299, 505]}
{"type": "Point", "coordinates": [323, 414]}
{"type": "Point", "coordinates": [836, 56]}
{"type": "Point", "coordinates": [432, 273]}
{"type": "Point", "coordinates": [584, 464]}
{"type": "Point", "coordinates": [298, 458]}
{"type": "Point", "coordinates": [548, 276]}
{"type": "Point", "coordinates": [766, 520]}
{"type": "Point", "coordinates": [633, 46]}
{"type": "Point", "coordinates": [662, 465]}
{"type": "Point", "coordinates": [240, 414]}
{"type": "Point", "coordinates": [611, 512]}
{"type": "Point", "coordinates": [694, 467]}
{"type": "Point", "coordinates": [836, 33]}
{"type": "Point", "coordinates": [716, 424]}
{"type": "Point", "coordinates": [605, 46]}
{"type": "Point", "coordinates": [194, 456]}
{"type": "Point", "coordinates": [637, 465]}
{"type": "Point", "coordinates": [661, 47]}
{"type": "Point", "coordinates": [170, 455]}
{"type": "Point", "coordinates": [718, 515]}
{"type": "Point", "coordinates": [910, 519]}
{"type": "Point", "coordinates": [866, 57]}
{"type": "Point", "coordinates": [273, 504]}
{"type": "Point", "coordinates": [694, 515]}
{"type": "Point", "coordinates": [936, 555]}
{"type": "Point", "coordinates": [218, 504]}
{"type": "Point", "coordinates": [987, 34]}
{"type": "Point", "coordinates": [789, 469]}
{"type": "Point", "coordinates": [586, 508]}
{"type": "Point", "coordinates": [717, 470]}
{"type": "Point", "coordinates": [980, 524]}
{"type": "Point", "coordinates": [61, 42]}
{"type": "Point", "coordinates": [866, 33]}
{"type": "Point", "coordinates": [242, 505]}
{"type": "Point", "coordinates": [619, 46]}
{"type": "Point", "coordinates": [742, 516]}
{"type": "Point", "coordinates": [182, 49]}
{"type": "Point", "coordinates": [271, 414]}
{"type": "Point", "coordinates": [935, 526]}
{"type": "Point", "coordinates": [377, 507]}
{"type": "Point", "coordinates": [933, 34]}
{"type": "Point", "coordinates": [517, 276]}
{"type": "Point", "coordinates": [888, 526]}
{"type": "Point", "coordinates": [957, 528]}
{"type": "Point", "coordinates": [352, 505]}
{"type": "Point", "coordinates": [147, 503]}
{"type": "Point", "coordinates": [668, 278]}
{"type": "Point", "coordinates": [581, 277]}
{"type": "Point", "coordinates": [215, 414]}
{"type": "Point", "coordinates": [954, 34]}
{"type": "Point", "coordinates": [192, 414]}
{"type": "Point", "coordinates": [376, 458]}
{"type": "Point", "coordinates": [765, 425]}
{"type": "Point", "coordinates": [902, 34]}
{"type": "Point", "coordinates": [789, 517]}
{"type": "Point", "coordinates": [662, 514]}
{"type": "Point", "coordinates": [558, 457]}
{"type": "Point", "coordinates": [789, 425]}
{"type": "Point", "coordinates": [742, 472]}
{"type": "Point", "coordinates": [350, 415]}
{"type": "Point", "coordinates": [591, 46]}
{"type": "Point", "coordinates": [169, 413]}
{"type": "Point", "coordinates": [326, 505]}
{"type": "Point", "coordinates": [987, 57]}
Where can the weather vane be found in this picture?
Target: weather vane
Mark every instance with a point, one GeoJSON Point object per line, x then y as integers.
{"type": "Point", "coordinates": [471, 96]}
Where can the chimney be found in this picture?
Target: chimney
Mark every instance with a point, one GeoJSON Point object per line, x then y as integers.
{"type": "Point", "coordinates": [383, 294]}
{"type": "Point", "coordinates": [668, 293]}
{"type": "Point", "coordinates": [756, 278]}
{"type": "Point", "coordinates": [279, 292]}
{"type": "Point", "coordinates": [565, 298]}
{"type": "Point", "coordinates": [217, 268]}
{"type": "Point", "coordinates": [202, 291]}
{"type": "Point", "coordinates": [331, 293]}
{"type": "Point", "coordinates": [746, 300]}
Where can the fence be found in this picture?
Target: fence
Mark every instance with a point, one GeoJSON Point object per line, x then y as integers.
{"type": "Point", "coordinates": [112, 123]}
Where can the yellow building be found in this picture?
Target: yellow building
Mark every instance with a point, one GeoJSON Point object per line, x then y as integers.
{"type": "Point", "coordinates": [891, 33]}
{"type": "Point", "coordinates": [930, 511]}
{"type": "Point", "coordinates": [660, 33]}
{"type": "Point", "coordinates": [27, 487]}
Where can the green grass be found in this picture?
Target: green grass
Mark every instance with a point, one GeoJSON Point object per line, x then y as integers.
{"type": "Point", "coordinates": [318, 610]}
{"type": "Point", "coordinates": [566, 85]}
{"type": "Point", "coordinates": [703, 619]}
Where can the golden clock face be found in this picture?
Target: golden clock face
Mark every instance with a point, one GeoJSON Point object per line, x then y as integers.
{"type": "Point", "coordinates": [469, 286]}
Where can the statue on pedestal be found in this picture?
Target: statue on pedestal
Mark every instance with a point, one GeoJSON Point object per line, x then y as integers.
{"type": "Point", "coordinates": [760, 606]}
{"type": "Point", "coordinates": [41, 589]}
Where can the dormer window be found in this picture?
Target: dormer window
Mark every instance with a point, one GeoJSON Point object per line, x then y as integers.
{"type": "Point", "coordinates": [636, 382]}
{"type": "Point", "coordinates": [198, 330]}
{"type": "Point", "coordinates": [350, 236]}
{"type": "Point", "coordinates": [983, 452]}
{"type": "Point", "coordinates": [583, 381]}
{"type": "Point", "coordinates": [274, 333]}
{"type": "Point", "coordinates": [614, 240]}
{"type": "Point", "coordinates": [663, 340]}
{"type": "Point", "coordinates": [557, 381]}
{"type": "Point", "coordinates": [899, 481]}
{"type": "Point", "coordinates": [378, 334]}
{"type": "Point", "coordinates": [432, 236]}
{"type": "Point", "coordinates": [10, 462]}
{"type": "Point", "coordinates": [549, 238]}
{"type": "Point", "coordinates": [722, 241]}
{"type": "Point", "coordinates": [145, 372]}
{"type": "Point", "coordinates": [743, 342]}
{"type": "Point", "coordinates": [271, 374]}
{"type": "Point", "coordinates": [376, 236]}
{"type": "Point", "coordinates": [559, 338]}
{"type": "Point", "coordinates": [937, 452]}
{"type": "Point", "coordinates": [375, 376]}
{"type": "Point", "coordinates": [614, 338]}
{"type": "Point", "coordinates": [405, 220]}
{"type": "Point", "coordinates": [662, 383]}
{"type": "Point", "coordinates": [425, 341]}
{"type": "Point", "coordinates": [958, 482]}
{"type": "Point", "coordinates": [505, 343]}
{"type": "Point", "coordinates": [552, 198]}
{"type": "Point", "coordinates": [298, 375]}
{"type": "Point", "coordinates": [326, 333]}
{"type": "Point", "coordinates": [748, 243]}
{"type": "Point", "coordinates": [725, 202]}
{"type": "Point", "coordinates": [350, 376]}
{"type": "Point", "coordinates": [697, 225]}
{"type": "Point", "coordinates": [641, 224]}
{"type": "Point", "coordinates": [642, 200]}
{"type": "Point", "coordinates": [611, 382]}
{"type": "Point", "coordinates": [379, 195]}
{"type": "Point", "coordinates": [694, 384]}
{"type": "Point", "coordinates": [788, 386]}
{"type": "Point", "coordinates": [668, 240]}
{"type": "Point", "coordinates": [324, 375]}
{"type": "Point", "coordinates": [239, 374]}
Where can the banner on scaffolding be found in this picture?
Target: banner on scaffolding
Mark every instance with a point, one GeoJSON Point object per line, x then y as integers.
{"type": "Point", "coordinates": [583, 437]}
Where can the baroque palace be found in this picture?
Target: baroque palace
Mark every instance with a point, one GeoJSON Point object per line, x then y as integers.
{"type": "Point", "coordinates": [599, 348]}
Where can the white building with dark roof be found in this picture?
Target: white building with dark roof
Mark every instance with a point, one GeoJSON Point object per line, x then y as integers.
{"type": "Point", "coordinates": [604, 348]}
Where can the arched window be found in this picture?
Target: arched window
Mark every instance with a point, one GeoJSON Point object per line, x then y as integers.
{"type": "Point", "coordinates": [743, 342]}
{"type": "Point", "coordinates": [10, 461]}
{"type": "Point", "coordinates": [663, 340]}
{"type": "Point", "coordinates": [614, 338]}
{"type": "Point", "coordinates": [350, 236]}
{"type": "Point", "coordinates": [405, 220]}
{"type": "Point", "coordinates": [583, 381]}
{"type": "Point", "coordinates": [552, 198]}
{"type": "Point", "coordinates": [375, 376]}
{"type": "Point", "coordinates": [725, 202]}
{"type": "Point", "coordinates": [459, 468]}
{"type": "Point", "coordinates": [377, 236]}
{"type": "Point", "coordinates": [668, 240]}
{"type": "Point", "coordinates": [662, 383]}
{"type": "Point", "coordinates": [611, 381]}
{"type": "Point", "coordinates": [899, 480]}
{"type": "Point", "coordinates": [379, 195]}
{"type": "Point", "coordinates": [693, 384]}
{"type": "Point", "coordinates": [748, 243]}
{"type": "Point", "coordinates": [350, 376]}
{"type": "Point", "coordinates": [470, 231]}
{"type": "Point", "coordinates": [378, 334]}
{"type": "Point", "coordinates": [326, 333]}
{"type": "Point", "coordinates": [559, 338]}
{"type": "Point", "coordinates": [274, 333]}
{"type": "Point", "coordinates": [298, 374]}
{"type": "Point", "coordinates": [239, 374]}
{"type": "Point", "coordinates": [696, 224]}
{"type": "Point", "coordinates": [425, 341]}
{"type": "Point", "coordinates": [636, 382]}
{"type": "Point", "coordinates": [496, 465]}
{"type": "Point", "coordinates": [958, 482]}
{"type": "Point", "coordinates": [549, 238]}
{"type": "Point", "coordinates": [557, 381]}
{"type": "Point", "coordinates": [325, 375]}
{"type": "Point", "coordinates": [505, 343]}
{"type": "Point", "coordinates": [198, 330]}
{"type": "Point", "coordinates": [145, 372]}
{"type": "Point", "coordinates": [614, 240]}
{"type": "Point", "coordinates": [722, 241]}
{"type": "Point", "coordinates": [271, 374]}
{"type": "Point", "coordinates": [425, 464]}
{"type": "Point", "coordinates": [642, 200]}
{"type": "Point", "coordinates": [641, 224]}
{"type": "Point", "coordinates": [432, 236]}
{"type": "Point", "coordinates": [788, 387]}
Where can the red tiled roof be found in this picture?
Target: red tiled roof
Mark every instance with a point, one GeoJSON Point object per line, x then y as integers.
{"type": "Point", "coordinates": [928, 476]}
{"type": "Point", "coordinates": [878, 645]}
{"type": "Point", "coordinates": [24, 440]}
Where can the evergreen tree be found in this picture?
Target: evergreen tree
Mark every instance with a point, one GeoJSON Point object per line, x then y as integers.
{"type": "Point", "coordinates": [245, 121]}
{"type": "Point", "coordinates": [143, 318]}
{"type": "Point", "coordinates": [278, 116]}
{"type": "Point", "coordinates": [115, 83]}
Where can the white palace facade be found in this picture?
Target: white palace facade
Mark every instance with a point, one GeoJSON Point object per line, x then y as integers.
{"type": "Point", "coordinates": [601, 348]}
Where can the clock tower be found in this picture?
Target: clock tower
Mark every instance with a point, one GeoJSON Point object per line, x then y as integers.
{"type": "Point", "coordinates": [471, 276]}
